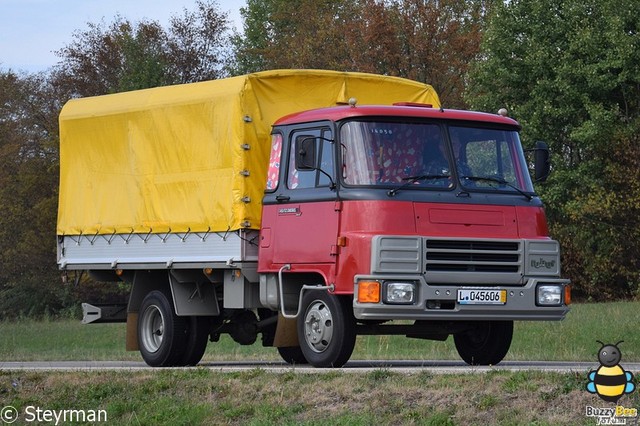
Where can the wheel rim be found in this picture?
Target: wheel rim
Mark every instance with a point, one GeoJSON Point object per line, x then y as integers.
{"type": "Point", "coordinates": [318, 326]}
{"type": "Point", "coordinates": [152, 331]}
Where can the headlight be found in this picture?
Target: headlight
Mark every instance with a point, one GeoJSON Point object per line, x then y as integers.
{"type": "Point", "coordinates": [549, 294]}
{"type": "Point", "coordinates": [399, 293]}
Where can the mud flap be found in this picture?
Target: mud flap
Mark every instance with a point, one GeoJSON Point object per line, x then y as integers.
{"type": "Point", "coordinates": [132, 332]}
{"type": "Point", "coordinates": [286, 332]}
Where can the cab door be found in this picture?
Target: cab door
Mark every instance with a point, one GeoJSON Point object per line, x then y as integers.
{"type": "Point", "coordinates": [303, 210]}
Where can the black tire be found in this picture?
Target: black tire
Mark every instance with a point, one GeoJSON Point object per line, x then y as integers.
{"type": "Point", "coordinates": [162, 334]}
{"type": "Point", "coordinates": [197, 339]}
{"type": "Point", "coordinates": [292, 355]}
{"type": "Point", "coordinates": [485, 344]}
{"type": "Point", "coordinates": [326, 329]}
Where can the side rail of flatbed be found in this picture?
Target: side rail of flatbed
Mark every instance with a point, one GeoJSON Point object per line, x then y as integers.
{"type": "Point", "coordinates": [187, 250]}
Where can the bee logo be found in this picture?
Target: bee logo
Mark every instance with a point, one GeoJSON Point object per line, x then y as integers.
{"type": "Point", "coordinates": [610, 381]}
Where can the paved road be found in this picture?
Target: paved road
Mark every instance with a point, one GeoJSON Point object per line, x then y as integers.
{"type": "Point", "coordinates": [354, 366]}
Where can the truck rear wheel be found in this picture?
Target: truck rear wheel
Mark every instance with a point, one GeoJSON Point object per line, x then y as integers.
{"type": "Point", "coordinates": [326, 329]}
{"type": "Point", "coordinates": [485, 344]}
{"type": "Point", "coordinates": [197, 339]}
{"type": "Point", "coordinates": [162, 334]}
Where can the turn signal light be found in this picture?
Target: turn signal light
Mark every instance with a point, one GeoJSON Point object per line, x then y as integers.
{"type": "Point", "coordinates": [567, 295]}
{"type": "Point", "coordinates": [369, 292]}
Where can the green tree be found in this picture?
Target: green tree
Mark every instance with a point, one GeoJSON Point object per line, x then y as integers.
{"type": "Point", "coordinates": [29, 281]}
{"type": "Point", "coordinates": [125, 56]}
{"type": "Point", "coordinates": [102, 59]}
{"type": "Point", "coordinates": [198, 44]}
{"type": "Point", "coordinates": [430, 41]}
{"type": "Point", "coordinates": [120, 57]}
{"type": "Point", "coordinates": [569, 71]}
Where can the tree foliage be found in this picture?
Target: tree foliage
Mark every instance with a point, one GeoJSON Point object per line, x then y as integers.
{"type": "Point", "coordinates": [28, 190]}
{"type": "Point", "coordinates": [429, 41]}
{"type": "Point", "coordinates": [125, 56]}
{"type": "Point", "coordinates": [102, 59]}
{"type": "Point", "coordinates": [570, 72]}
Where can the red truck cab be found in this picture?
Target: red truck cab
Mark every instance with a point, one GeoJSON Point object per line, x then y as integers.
{"type": "Point", "coordinates": [380, 213]}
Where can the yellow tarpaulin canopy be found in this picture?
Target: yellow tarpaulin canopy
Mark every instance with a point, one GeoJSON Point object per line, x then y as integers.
{"type": "Point", "coordinates": [169, 159]}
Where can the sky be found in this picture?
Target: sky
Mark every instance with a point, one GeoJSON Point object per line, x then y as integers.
{"type": "Point", "coordinates": [32, 30]}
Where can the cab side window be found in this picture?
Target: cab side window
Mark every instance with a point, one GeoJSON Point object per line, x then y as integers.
{"type": "Point", "coordinates": [298, 179]}
{"type": "Point", "coordinates": [273, 173]}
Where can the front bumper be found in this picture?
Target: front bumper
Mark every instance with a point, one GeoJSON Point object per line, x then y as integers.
{"type": "Point", "coordinates": [439, 302]}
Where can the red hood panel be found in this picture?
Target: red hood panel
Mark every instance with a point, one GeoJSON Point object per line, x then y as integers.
{"type": "Point", "coordinates": [454, 220]}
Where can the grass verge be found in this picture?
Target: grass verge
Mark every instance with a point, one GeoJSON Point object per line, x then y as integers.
{"type": "Point", "coordinates": [257, 397]}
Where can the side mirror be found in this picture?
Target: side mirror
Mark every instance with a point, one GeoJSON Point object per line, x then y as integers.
{"type": "Point", "coordinates": [305, 152]}
{"type": "Point", "coordinates": [542, 164]}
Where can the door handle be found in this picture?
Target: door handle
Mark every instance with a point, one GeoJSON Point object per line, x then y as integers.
{"type": "Point", "coordinates": [282, 198]}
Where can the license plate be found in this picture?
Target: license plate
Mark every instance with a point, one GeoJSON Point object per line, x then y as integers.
{"type": "Point", "coordinates": [482, 297]}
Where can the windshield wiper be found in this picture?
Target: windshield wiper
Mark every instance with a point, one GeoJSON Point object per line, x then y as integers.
{"type": "Point", "coordinates": [413, 179]}
{"type": "Point", "coordinates": [490, 179]}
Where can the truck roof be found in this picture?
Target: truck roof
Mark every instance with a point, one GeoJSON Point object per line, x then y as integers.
{"type": "Point", "coordinates": [401, 110]}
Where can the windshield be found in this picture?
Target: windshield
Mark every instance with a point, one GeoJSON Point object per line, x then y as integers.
{"type": "Point", "coordinates": [490, 159]}
{"type": "Point", "coordinates": [422, 155]}
{"type": "Point", "coordinates": [378, 153]}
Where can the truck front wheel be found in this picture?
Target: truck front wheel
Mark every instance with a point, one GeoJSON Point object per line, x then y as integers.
{"type": "Point", "coordinates": [326, 329]}
{"type": "Point", "coordinates": [162, 334]}
{"type": "Point", "coordinates": [485, 344]}
{"type": "Point", "coordinates": [292, 355]}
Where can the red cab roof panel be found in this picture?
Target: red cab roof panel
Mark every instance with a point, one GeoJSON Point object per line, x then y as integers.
{"type": "Point", "coordinates": [405, 110]}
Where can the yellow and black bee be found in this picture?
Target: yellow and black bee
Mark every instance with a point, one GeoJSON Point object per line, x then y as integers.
{"type": "Point", "coordinates": [610, 381]}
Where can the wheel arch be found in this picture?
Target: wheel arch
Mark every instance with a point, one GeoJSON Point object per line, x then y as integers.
{"type": "Point", "coordinates": [181, 284]}
{"type": "Point", "coordinates": [143, 283]}
{"type": "Point", "coordinates": [292, 286]}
